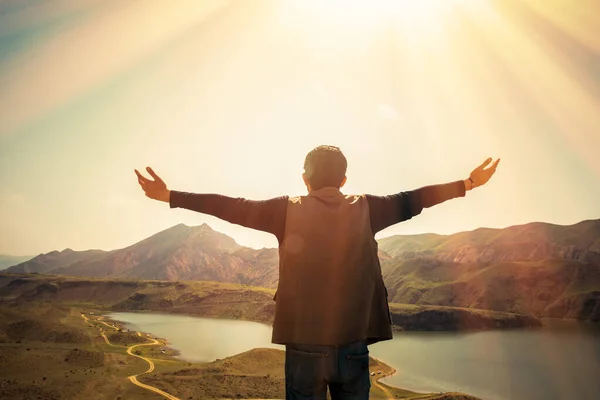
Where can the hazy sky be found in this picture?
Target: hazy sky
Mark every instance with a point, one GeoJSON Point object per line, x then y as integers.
{"type": "Point", "coordinates": [228, 97]}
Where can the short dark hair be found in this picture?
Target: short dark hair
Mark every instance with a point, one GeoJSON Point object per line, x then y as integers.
{"type": "Point", "coordinates": [325, 166]}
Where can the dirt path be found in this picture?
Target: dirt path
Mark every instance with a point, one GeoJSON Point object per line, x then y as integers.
{"type": "Point", "coordinates": [107, 341]}
{"type": "Point", "coordinates": [102, 322]}
{"type": "Point", "coordinates": [133, 378]}
{"type": "Point", "coordinates": [388, 394]}
{"type": "Point", "coordinates": [154, 342]}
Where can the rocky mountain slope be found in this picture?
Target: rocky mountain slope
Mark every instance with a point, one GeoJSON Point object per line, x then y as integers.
{"type": "Point", "coordinates": [531, 242]}
{"type": "Point", "coordinates": [177, 253]}
{"type": "Point", "coordinates": [535, 269]}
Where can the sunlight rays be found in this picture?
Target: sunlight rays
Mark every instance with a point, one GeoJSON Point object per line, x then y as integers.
{"type": "Point", "coordinates": [358, 12]}
{"type": "Point", "coordinates": [89, 54]}
{"type": "Point", "coordinates": [429, 46]}
{"type": "Point", "coordinates": [435, 83]}
{"type": "Point", "coordinates": [561, 93]}
{"type": "Point", "coordinates": [580, 22]}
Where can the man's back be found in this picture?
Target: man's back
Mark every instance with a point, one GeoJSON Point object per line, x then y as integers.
{"type": "Point", "coordinates": [330, 287]}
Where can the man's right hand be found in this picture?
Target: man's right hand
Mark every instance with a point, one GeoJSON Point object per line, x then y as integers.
{"type": "Point", "coordinates": [155, 189]}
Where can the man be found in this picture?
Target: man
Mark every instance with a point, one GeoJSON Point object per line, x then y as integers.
{"type": "Point", "coordinates": [331, 302]}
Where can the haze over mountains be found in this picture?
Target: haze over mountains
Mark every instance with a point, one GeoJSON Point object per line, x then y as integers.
{"type": "Point", "coordinates": [8, 261]}
{"type": "Point", "coordinates": [535, 269]}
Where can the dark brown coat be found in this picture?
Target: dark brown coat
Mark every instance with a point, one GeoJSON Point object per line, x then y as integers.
{"type": "Point", "coordinates": [331, 290]}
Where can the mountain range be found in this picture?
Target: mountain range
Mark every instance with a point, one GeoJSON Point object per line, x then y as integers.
{"type": "Point", "coordinates": [178, 253]}
{"type": "Point", "coordinates": [535, 269]}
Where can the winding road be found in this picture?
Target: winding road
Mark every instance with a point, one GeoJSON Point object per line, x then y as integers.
{"type": "Point", "coordinates": [133, 378]}
{"type": "Point", "coordinates": [154, 342]}
{"type": "Point", "coordinates": [388, 394]}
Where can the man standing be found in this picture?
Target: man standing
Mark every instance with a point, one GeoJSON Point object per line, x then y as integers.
{"type": "Point", "coordinates": [331, 302]}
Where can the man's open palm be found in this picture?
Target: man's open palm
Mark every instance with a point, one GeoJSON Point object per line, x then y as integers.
{"type": "Point", "coordinates": [481, 175]}
{"type": "Point", "coordinates": [155, 189]}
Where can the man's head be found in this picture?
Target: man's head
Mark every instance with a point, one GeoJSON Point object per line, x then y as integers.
{"type": "Point", "coordinates": [324, 166]}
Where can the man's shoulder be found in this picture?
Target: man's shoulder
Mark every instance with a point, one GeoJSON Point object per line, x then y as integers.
{"type": "Point", "coordinates": [348, 199]}
{"type": "Point", "coordinates": [356, 196]}
{"type": "Point", "coordinates": [295, 199]}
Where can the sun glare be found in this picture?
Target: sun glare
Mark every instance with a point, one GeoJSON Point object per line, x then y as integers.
{"type": "Point", "coordinates": [361, 12]}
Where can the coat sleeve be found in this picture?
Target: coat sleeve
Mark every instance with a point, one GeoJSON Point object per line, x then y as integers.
{"type": "Point", "coordinates": [386, 211]}
{"type": "Point", "coordinates": [263, 215]}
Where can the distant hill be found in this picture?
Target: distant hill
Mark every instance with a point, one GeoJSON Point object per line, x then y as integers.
{"type": "Point", "coordinates": [178, 253]}
{"type": "Point", "coordinates": [531, 242]}
{"type": "Point", "coordinates": [8, 261]}
{"type": "Point", "coordinates": [534, 269]}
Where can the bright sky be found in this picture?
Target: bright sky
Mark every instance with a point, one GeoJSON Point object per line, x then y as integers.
{"type": "Point", "coordinates": [228, 97]}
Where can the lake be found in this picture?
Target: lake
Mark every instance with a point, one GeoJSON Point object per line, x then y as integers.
{"type": "Point", "coordinates": [200, 339]}
{"type": "Point", "coordinates": [560, 361]}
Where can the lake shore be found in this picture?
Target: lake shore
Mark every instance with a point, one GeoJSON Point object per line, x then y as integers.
{"type": "Point", "coordinates": [469, 360]}
{"type": "Point", "coordinates": [254, 360]}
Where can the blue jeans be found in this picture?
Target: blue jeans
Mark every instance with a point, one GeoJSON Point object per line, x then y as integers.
{"type": "Point", "coordinates": [309, 370]}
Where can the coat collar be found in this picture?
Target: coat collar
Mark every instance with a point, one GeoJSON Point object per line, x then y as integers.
{"type": "Point", "coordinates": [329, 194]}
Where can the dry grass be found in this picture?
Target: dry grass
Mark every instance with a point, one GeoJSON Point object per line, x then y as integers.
{"type": "Point", "coordinates": [49, 352]}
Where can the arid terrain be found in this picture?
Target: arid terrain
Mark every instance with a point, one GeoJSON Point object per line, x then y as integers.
{"type": "Point", "coordinates": [222, 300]}
{"type": "Point", "coordinates": [56, 350]}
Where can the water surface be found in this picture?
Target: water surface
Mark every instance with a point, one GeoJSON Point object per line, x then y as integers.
{"type": "Point", "coordinates": [558, 362]}
{"type": "Point", "coordinates": [200, 339]}
{"type": "Point", "coordinates": [561, 361]}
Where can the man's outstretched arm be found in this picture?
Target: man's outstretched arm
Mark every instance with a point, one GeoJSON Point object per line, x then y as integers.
{"type": "Point", "coordinates": [389, 210]}
{"type": "Point", "coordinates": [264, 215]}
